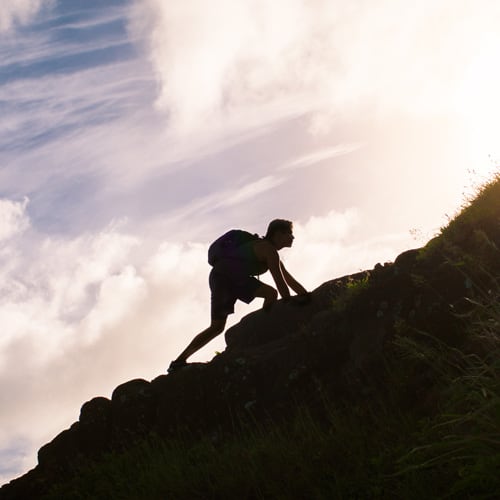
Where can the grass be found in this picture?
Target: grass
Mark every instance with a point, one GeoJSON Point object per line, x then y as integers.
{"type": "Point", "coordinates": [462, 441]}
{"type": "Point", "coordinates": [352, 290]}
{"type": "Point", "coordinates": [302, 460]}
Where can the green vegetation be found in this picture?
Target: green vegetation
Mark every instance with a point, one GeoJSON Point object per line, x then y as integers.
{"type": "Point", "coordinates": [352, 290]}
{"type": "Point", "coordinates": [471, 240]}
{"type": "Point", "coordinates": [448, 446]}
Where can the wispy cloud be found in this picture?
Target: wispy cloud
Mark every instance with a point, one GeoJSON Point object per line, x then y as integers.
{"type": "Point", "coordinates": [251, 190]}
{"type": "Point", "coordinates": [72, 123]}
{"type": "Point", "coordinates": [18, 12]}
{"type": "Point", "coordinates": [320, 156]}
{"type": "Point", "coordinates": [195, 211]}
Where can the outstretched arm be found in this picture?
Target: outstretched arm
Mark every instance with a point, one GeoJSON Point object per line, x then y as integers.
{"type": "Point", "coordinates": [274, 264]}
{"type": "Point", "coordinates": [292, 282]}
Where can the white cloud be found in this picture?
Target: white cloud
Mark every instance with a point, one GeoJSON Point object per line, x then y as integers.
{"type": "Point", "coordinates": [198, 208]}
{"type": "Point", "coordinates": [14, 12]}
{"type": "Point", "coordinates": [49, 285]}
{"type": "Point", "coordinates": [325, 247]}
{"type": "Point", "coordinates": [321, 155]}
{"type": "Point", "coordinates": [196, 51]}
{"type": "Point", "coordinates": [330, 57]}
{"type": "Point", "coordinates": [330, 228]}
{"type": "Point", "coordinates": [13, 218]}
{"type": "Point", "coordinates": [251, 190]}
{"type": "Point", "coordinates": [219, 61]}
{"type": "Point", "coordinates": [83, 316]}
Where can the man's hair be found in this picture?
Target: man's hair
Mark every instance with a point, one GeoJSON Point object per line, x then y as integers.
{"type": "Point", "coordinates": [277, 225]}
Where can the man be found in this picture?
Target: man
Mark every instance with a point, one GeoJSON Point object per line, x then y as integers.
{"type": "Point", "coordinates": [232, 279]}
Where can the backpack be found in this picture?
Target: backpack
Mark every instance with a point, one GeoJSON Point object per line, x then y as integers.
{"type": "Point", "coordinates": [227, 245]}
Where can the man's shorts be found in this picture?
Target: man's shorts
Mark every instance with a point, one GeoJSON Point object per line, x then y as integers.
{"type": "Point", "coordinates": [227, 289]}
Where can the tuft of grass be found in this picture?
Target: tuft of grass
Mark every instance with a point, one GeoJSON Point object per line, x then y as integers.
{"type": "Point", "coordinates": [473, 234]}
{"type": "Point", "coordinates": [353, 289]}
{"type": "Point", "coordinates": [461, 443]}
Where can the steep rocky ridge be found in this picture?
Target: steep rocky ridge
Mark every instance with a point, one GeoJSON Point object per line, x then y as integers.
{"type": "Point", "coordinates": [334, 347]}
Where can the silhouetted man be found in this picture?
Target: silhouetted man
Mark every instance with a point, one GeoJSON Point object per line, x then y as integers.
{"type": "Point", "coordinates": [233, 279]}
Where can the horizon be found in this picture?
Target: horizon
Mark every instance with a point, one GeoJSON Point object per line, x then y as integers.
{"type": "Point", "coordinates": [134, 134]}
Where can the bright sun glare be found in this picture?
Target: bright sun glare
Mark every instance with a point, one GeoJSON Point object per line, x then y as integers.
{"type": "Point", "coordinates": [478, 104]}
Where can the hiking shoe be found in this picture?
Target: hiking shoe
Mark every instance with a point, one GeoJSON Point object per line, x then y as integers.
{"type": "Point", "coordinates": [176, 365]}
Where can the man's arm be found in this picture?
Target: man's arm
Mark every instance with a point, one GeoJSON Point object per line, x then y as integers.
{"type": "Point", "coordinates": [292, 282]}
{"type": "Point", "coordinates": [274, 265]}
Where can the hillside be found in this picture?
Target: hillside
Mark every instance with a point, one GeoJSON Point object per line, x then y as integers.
{"type": "Point", "coordinates": [386, 385]}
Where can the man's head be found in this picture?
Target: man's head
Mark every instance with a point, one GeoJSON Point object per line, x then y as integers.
{"type": "Point", "coordinates": [280, 233]}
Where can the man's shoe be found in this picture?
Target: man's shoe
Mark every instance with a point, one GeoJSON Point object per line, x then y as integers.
{"type": "Point", "coordinates": [176, 365]}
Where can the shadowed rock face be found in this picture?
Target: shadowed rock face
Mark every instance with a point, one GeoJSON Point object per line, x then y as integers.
{"type": "Point", "coordinates": [327, 347]}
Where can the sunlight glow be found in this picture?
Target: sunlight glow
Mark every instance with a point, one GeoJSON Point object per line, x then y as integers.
{"type": "Point", "coordinates": [478, 104]}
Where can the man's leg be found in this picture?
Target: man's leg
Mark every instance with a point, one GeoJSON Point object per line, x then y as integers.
{"type": "Point", "coordinates": [269, 294]}
{"type": "Point", "coordinates": [216, 327]}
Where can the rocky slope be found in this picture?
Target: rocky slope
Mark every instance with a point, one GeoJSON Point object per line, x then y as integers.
{"type": "Point", "coordinates": [272, 360]}
{"type": "Point", "coordinates": [294, 354]}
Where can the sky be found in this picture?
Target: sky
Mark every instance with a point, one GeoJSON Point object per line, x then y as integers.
{"type": "Point", "coordinates": [134, 132]}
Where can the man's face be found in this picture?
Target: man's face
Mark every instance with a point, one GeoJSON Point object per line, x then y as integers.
{"type": "Point", "coordinates": [286, 238]}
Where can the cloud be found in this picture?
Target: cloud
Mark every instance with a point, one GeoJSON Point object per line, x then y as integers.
{"type": "Point", "coordinates": [97, 309]}
{"type": "Point", "coordinates": [16, 12]}
{"type": "Point", "coordinates": [328, 246]}
{"type": "Point", "coordinates": [250, 191]}
{"type": "Point", "coordinates": [13, 218]}
{"type": "Point", "coordinates": [243, 191]}
{"type": "Point", "coordinates": [320, 156]}
{"type": "Point", "coordinates": [321, 57]}
{"type": "Point", "coordinates": [215, 62]}
{"type": "Point", "coordinates": [71, 123]}
{"type": "Point", "coordinates": [90, 138]}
